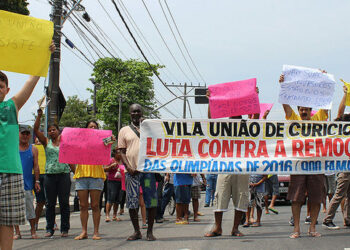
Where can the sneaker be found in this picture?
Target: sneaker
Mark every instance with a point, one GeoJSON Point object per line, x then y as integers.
{"type": "Point", "coordinates": [308, 220]}
{"type": "Point", "coordinates": [330, 225]}
{"type": "Point", "coordinates": [206, 205]}
{"type": "Point", "coordinates": [291, 221]}
{"type": "Point", "coordinates": [160, 220]}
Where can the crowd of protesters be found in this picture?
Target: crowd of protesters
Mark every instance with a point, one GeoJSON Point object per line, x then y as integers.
{"type": "Point", "coordinates": [25, 167]}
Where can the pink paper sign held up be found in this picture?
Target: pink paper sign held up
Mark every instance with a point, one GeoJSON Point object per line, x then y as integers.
{"type": "Point", "coordinates": [84, 146]}
{"type": "Point", "coordinates": [234, 98]}
{"type": "Point", "coordinates": [264, 107]}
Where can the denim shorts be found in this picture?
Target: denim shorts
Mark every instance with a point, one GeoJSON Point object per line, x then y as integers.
{"type": "Point", "coordinates": [113, 191]}
{"type": "Point", "coordinates": [183, 194]}
{"type": "Point", "coordinates": [89, 183]}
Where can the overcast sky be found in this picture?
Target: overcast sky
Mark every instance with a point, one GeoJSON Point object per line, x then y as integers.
{"type": "Point", "coordinates": [228, 40]}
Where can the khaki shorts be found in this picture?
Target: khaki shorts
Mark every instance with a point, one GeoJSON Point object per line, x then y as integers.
{"type": "Point", "coordinates": [235, 186]}
{"type": "Point", "coordinates": [311, 186]}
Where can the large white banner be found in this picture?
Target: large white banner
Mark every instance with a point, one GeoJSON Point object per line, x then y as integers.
{"type": "Point", "coordinates": [306, 87]}
{"type": "Point", "coordinates": [225, 146]}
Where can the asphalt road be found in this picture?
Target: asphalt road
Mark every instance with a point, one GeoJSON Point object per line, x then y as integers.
{"type": "Point", "coordinates": [273, 234]}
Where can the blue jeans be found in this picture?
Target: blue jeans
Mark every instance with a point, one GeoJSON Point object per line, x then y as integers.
{"type": "Point", "coordinates": [211, 187]}
{"type": "Point", "coordinates": [168, 192]}
{"type": "Point", "coordinates": [57, 185]}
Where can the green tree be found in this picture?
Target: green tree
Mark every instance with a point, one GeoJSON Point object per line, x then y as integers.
{"type": "Point", "coordinates": [17, 6]}
{"type": "Point", "coordinates": [75, 113]}
{"type": "Point", "coordinates": [130, 79]}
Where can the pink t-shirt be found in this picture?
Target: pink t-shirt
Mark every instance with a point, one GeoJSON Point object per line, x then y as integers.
{"type": "Point", "coordinates": [113, 171]}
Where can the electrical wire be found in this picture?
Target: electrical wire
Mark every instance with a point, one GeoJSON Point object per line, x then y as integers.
{"type": "Point", "coordinates": [188, 53]}
{"type": "Point", "coordinates": [178, 45]}
{"type": "Point", "coordinates": [145, 42]}
{"type": "Point", "coordinates": [166, 45]}
{"type": "Point", "coordinates": [116, 26]}
{"type": "Point", "coordinates": [139, 48]}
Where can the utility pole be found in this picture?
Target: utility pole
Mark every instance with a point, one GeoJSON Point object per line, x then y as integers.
{"type": "Point", "coordinates": [184, 96]}
{"type": "Point", "coordinates": [185, 99]}
{"type": "Point", "coordinates": [54, 75]}
{"type": "Point", "coordinates": [120, 113]}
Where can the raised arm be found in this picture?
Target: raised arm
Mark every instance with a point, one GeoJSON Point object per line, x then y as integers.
{"type": "Point", "coordinates": [37, 131]}
{"type": "Point", "coordinates": [287, 109]}
{"type": "Point", "coordinates": [341, 108]}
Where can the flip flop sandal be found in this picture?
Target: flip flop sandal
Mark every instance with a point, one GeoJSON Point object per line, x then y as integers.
{"type": "Point", "coordinates": [314, 234]}
{"type": "Point", "coordinates": [256, 224]}
{"type": "Point", "coordinates": [80, 237]}
{"type": "Point", "coordinates": [35, 236]}
{"type": "Point", "coordinates": [95, 237]}
{"type": "Point", "coordinates": [294, 235]}
{"type": "Point", "coordinates": [273, 210]}
{"type": "Point", "coordinates": [246, 225]}
{"type": "Point", "coordinates": [237, 234]}
{"type": "Point", "coordinates": [212, 234]}
{"type": "Point", "coordinates": [17, 237]}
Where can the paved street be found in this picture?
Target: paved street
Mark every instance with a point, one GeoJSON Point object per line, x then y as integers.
{"type": "Point", "coordinates": [272, 235]}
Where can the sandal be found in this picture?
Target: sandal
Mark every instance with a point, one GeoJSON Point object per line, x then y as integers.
{"type": "Point", "coordinates": [81, 237]}
{"type": "Point", "coordinates": [196, 220]}
{"type": "Point", "coordinates": [212, 234]}
{"type": "Point", "coordinates": [256, 224]}
{"type": "Point", "coordinates": [273, 210]}
{"type": "Point", "coordinates": [144, 226]}
{"type": "Point", "coordinates": [17, 237]}
{"type": "Point", "coordinates": [107, 220]}
{"type": "Point", "coordinates": [294, 235]}
{"type": "Point", "coordinates": [35, 236]}
{"type": "Point", "coordinates": [48, 234]}
{"type": "Point", "coordinates": [314, 234]}
{"type": "Point", "coordinates": [246, 224]}
{"type": "Point", "coordinates": [64, 234]}
{"type": "Point", "coordinates": [96, 237]}
{"type": "Point", "coordinates": [135, 236]}
{"type": "Point", "coordinates": [237, 234]}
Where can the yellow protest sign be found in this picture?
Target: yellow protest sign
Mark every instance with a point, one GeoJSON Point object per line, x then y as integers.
{"type": "Point", "coordinates": [347, 103]}
{"type": "Point", "coordinates": [24, 44]}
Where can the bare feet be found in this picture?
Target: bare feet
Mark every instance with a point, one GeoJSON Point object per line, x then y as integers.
{"type": "Point", "coordinates": [35, 236]}
{"type": "Point", "coordinates": [17, 237]}
{"type": "Point", "coordinates": [135, 236]}
{"type": "Point", "coordinates": [237, 234]}
{"type": "Point", "coordinates": [150, 237]}
{"type": "Point", "coordinates": [294, 235]}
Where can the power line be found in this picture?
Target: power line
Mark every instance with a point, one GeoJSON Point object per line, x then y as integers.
{"type": "Point", "coordinates": [178, 45]}
{"type": "Point", "coordinates": [188, 53]}
{"type": "Point", "coordinates": [116, 26]}
{"type": "Point", "coordinates": [127, 27]}
{"type": "Point", "coordinates": [143, 39]}
{"type": "Point", "coordinates": [79, 56]}
{"type": "Point", "coordinates": [160, 34]}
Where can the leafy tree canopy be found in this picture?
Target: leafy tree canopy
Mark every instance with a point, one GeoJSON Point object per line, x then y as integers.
{"type": "Point", "coordinates": [130, 79]}
{"type": "Point", "coordinates": [17, 6]}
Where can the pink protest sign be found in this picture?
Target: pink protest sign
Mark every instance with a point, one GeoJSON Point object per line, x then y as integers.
{"type": "Point", "coordinates": [84, 146]}
{"type": "Point", "coordinates": [264, 107]}
{"type": "Point", "coordinates": [234, 98]}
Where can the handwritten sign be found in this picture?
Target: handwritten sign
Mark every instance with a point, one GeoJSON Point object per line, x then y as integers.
{"type": "Point", "coordinates": [233, 99]}
{"type": "Point", "coordinates": [314, 111]}
{"type": "Point", "coordinates": [84, 146]}
{"type": "Point", "coordinates": [306, 87]}
{"type": "Point", "coordinates": [24, 44]}
{"type": "Point", "coordinates": [264, 107]}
